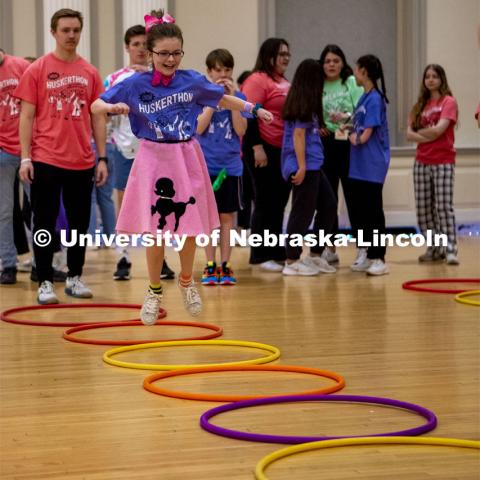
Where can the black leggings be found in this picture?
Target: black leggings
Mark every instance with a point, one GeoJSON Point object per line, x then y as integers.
{"type": "Point", "coordinates": [75, 187]}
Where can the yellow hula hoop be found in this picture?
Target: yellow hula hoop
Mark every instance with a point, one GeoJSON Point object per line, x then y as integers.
{"type": "Point", "coordinates": [460, 298]}
{"type": "Point", "coordinates": [345, 442]}
{"type": "Point", "coordinates": [274, 353]}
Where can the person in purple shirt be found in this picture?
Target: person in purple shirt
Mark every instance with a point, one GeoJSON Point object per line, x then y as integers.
{"type": "Point", "coordinates": [369, 160]}
{"type": "Point", "coordinates": [219, 133]}
{"type": "Point", "coordinates": [301, 160]}
{"type": "Point", "coordinates": [168, 191]}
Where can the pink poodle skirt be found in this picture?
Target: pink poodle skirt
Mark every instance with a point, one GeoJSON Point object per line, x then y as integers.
{"type": "Point", "coordinates": [168, 189]}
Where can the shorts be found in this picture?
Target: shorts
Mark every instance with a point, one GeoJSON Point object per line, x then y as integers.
{"type": "Point", "coordinates": [121, 170]}
{"type": "Point", "coordinates": [229, 195]}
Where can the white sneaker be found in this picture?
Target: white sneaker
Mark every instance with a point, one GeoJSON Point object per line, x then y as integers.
{"type": "Point", "coordinates": [150, 308]}
{"type": "Point", "coordinates": [452, 259]}
{"type": "Point", "coordinates": [271, 266]}
{"type": "Point", "coordinates": [377, 267]}
{"type": "Point", "coordinates": [76, 288]}
{"type": "Point", "coordinates": [330, 256]}
{"type": "Point", "coordinates": [25, 266]}
{"type": "Point", "coordinates": [320, 263]}
{"type": "Point", "coordinates": [46, 294]}
{"type": "Point", "coordinates": [191, 299]}
{"type": "Point", "coordinates": [361, 263]}
{"type": "Point", "coordinates": [60, 260]}
{"type": "Point", "coordinates": [300, 267]}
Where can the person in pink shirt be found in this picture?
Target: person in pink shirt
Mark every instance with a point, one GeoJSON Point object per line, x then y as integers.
{"type": "Point", "coordinates": [268, 86]}
{"type": "Point", "coordinates": [431, 126]}
{"type": "Point", "coordinates": [11, 70]}
{"type": "Point", "coordinates": [57, 156]}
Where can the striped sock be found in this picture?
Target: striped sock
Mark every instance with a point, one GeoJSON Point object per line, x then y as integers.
{"type": "Point", "coordinates": [156, 288]}
{"type": "Point", "coordinates": [185, 281]}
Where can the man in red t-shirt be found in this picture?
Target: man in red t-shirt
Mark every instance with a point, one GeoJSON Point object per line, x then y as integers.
{"type": "Point", "coordinates": [11, 70]}
{"type": "Point", "coordinates": [56, 150]}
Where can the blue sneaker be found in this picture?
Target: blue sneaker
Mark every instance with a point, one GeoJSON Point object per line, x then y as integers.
{"type": "Point", "coordinates": [226, 275]}
{"type": "Point", "coordinates": [210, 274]}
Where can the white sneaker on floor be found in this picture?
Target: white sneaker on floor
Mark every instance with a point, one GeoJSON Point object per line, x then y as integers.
{"type": "Point", "coordinates": [150, 308]}
{"type": "Point", "coordinates": [301, 268]}
{"type": "Point", "coordinates": [360, 263]}
{"type": "Point", "coordinates": [320, 263]}
{"type": "Point", "coordinates": [330, 256]}
{"type": "Point", "coordinates": [452, 259]}
{"type": "Point", "coordinates": [377, 267]}
{"type": "Point", "coordinates": [271, 266]}
{"type": "Point", "coordinates": [76, 288]}
{"type": "Point", "coordinates": [191, 299]}
{"type": "Point", "coordinates": [25, 266]}
{"type": "Point", "coordinates": [46, 294]}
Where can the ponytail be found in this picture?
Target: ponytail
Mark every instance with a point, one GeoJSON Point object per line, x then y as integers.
{"type": "Point", "coordinates": [374, 69]}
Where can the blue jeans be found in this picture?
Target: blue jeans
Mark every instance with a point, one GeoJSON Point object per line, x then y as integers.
{"type": "Point", "coordinates": [8, 170]}
{"type": "Point", "coordinates": [103, 198]}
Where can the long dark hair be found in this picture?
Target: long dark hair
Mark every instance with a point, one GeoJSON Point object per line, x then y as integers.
{"type": "Point", "coordinates": [336, 50]}
{"type": "Point", "coordinates": [268, 54]}
{"type": "Point", "coordinates": [424, 95]}
{"type": "Point", "coordinates": [304, 99]}
{"type": "Point", "coordinates": [163, 30]}
{"type": "Point", "coordinates": [374, 69]}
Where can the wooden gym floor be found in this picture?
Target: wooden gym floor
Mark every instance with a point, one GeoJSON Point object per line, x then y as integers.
{"type": "Point", "coordinates": [67, 415]}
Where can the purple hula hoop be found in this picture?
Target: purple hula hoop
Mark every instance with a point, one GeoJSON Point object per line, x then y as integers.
{"type": "Point", "coordinates": [258, 437]}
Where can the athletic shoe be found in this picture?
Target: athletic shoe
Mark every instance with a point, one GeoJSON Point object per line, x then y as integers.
{"type": "Point", "coordinates": [167, 272]}
{"type": "Point", "coordinates": [431, 255]}
{"type": "Point", "coordinates": [361, 263]}
{"type": "Point", "coordinates": [377, 267]}
{"type": "Point", "coordinates": [150, 308]}
{"type": "Point", "coordinates": [330, 256]}
{"type": "Point", "coordinates": [226, 275]}
{"type": "Point", "coordinates": [271, 266]}
{"type": "Point", "coordinates": [299, 267]}
{"type": "Point", "coordinates": [8, 276]}
{"type": "Point", "coordinates": [25, 266]}
{"type": "Point", "coordinates": [211, 274]}
{"type": "Point", "coordinates": [58, 276]}
{"type": "Point", "coordinates": [191, 299]}
{"type": "Point", "coordinates": [320, 263]}
{"type": "Point", "coordinates": [59, 261]}
{"type": "Point", "coordinates": [123, 269]}
{"type": "Point", "coordinates": [452, 259]}
{"type": "Point", "coordinates": [46, 294]}
{"type": "Point", "coordinates": [76, 288]}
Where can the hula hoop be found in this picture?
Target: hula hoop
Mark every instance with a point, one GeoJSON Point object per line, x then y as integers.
{"type": "Point", "coordinates": [68, 334]}
{"type": "Point", "coordinates": [460, 298]}
{"type": "Point", "coordinates": [148, 382]}
{"type": "Point", "coordinates": [257, 437]}
{"type": "Point", "coordinates": [412, 284]}
{"type": "Point", "coordinates": [346, 442]}
{"type": "Point", "coordinates": [274, 353]}
{"type": "Point", "coordinates": [6, 314]}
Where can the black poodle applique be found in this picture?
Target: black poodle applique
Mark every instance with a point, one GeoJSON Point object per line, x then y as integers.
{"type": "Point", "coordinates": [165, 205]}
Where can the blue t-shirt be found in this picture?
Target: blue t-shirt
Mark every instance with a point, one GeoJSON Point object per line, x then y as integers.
{"type": "Point", "coordinates": [221, 145]}
{"type": "Point", "coordinates": [313, 147]}
{"type": "Point", "coordinates": [370, 161]}
{"type": "Point", "coordinates": [165, 113]}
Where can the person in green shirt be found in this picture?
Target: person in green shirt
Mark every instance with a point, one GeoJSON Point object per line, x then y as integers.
{"type": "Point", "coordinates": [340, 96]}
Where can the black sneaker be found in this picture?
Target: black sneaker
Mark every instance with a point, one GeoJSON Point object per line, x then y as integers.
{"type": "Point", "coordinates": [8, 276]}
{"type": "Point", "coordinates": [167, 272]}
{"type": "Point", "coordinates": [123, 270]}
{"type": "Point", "coordinates": [58, 275]}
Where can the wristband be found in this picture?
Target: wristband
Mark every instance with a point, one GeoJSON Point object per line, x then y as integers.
{"type": "Point", "coordinates": [248, 107]}
{"type": "Point", "coordinates": [103, 159]}
{"type": "Point", "coordinates": [255, 109]}
{"type": "Point", "coordinates": [358, 140]}
{"type": "Point", "coordinates": [25, 160]}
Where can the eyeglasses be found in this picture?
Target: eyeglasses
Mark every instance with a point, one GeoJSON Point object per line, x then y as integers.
{"type": "Point", "coordinates": [164, 55]}
{"type": "Point", "coordinates": [285, 54]}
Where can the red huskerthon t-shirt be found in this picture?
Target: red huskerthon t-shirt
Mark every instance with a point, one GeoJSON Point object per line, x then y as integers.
{"type": "Point", "coordinates": [439, 151]}
{"type": "Point", "coordinates": [260, 88]}
{"type": "Point", "coordinates": [11, 70]}
{"type": "Point", "coordinates": [62, 93]}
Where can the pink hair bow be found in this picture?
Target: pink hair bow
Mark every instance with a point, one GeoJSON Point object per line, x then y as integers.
{"type": "Point", "coordinates": [150, 20]}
